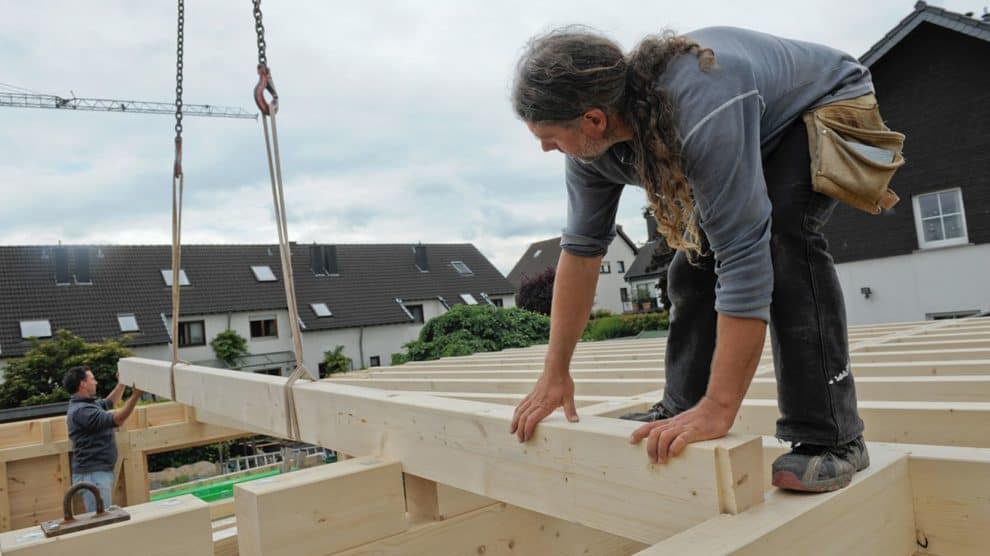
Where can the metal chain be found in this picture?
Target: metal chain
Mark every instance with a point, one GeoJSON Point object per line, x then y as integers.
{"type": "Point", "coordinates": [178, 72]}
{"type": "Point", "coordinates": [260, 29]}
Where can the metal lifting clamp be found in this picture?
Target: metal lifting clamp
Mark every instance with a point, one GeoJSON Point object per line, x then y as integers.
{"type": "Point", "coordinates": [73, 524]}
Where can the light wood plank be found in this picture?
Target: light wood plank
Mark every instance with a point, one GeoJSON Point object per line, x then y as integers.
{"type": "Point", "coordinates": [320, 510]}
{"type": "Point", "coordinates": [175, 527]}
{"type": "Point", "coordinates": [872, 516]}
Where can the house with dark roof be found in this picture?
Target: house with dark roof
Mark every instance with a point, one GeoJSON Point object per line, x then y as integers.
{"type": "Point", "coordinates": [371, 299]}
{"type": "Point", "coordinates": [929, 256]}
{"type": "Point", "coordinates": [611, 294]}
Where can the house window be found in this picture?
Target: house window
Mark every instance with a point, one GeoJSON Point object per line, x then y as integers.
{"type": "Point", "coordinates": [36, 329]}
{"type": "Point", "coordinates": [375, 361]}
{"type": "Point", "coordinates": [417, 313]}
{"type": "Point", "coordinates": [192, 333]}
{"type": "Point", "coordinates": [537, 253]}
{"type": "Point", "coordinates": [621, 266]}
{"type": "Point", "coordinates": [128, 323]}
{"type": "Point", "coordinates": [461, 268]}
{"type": "Point", "coordinates": [263, 274]}
{"type": "Point", "coordinates": [167, 276]}
{"type": "Point", "coordinates": [469, 299]}
{"type": "Point", "coordinates": [606, 267]}
{"type": "Point", "coordinates": [497, 302]}
{"type": "Point", "coordinates": [642, 291]}
{"type": "Point", "coordinates": [940, 219]}
{"type": "Point", "coordinates": [624, 294]}
{"type": "Point", "coordinates": [264, 328]}
{"type": "Point", "coordinates": [321, 310]}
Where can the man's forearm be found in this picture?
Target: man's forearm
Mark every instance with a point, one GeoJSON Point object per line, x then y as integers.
{"type": "Point", "coordinates": [738, 348]}
{"type": "Point", "coordinates": [123, 413]}
{"type": "Point", "coordinates": [573, 295]}
{"type": "Point", "coordinates": [116, 394]}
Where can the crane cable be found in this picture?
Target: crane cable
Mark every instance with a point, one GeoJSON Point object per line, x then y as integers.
{"type": "Point", "coordinates": [268, 112]}
{"type": "Point", "coordinates": [177, 190]}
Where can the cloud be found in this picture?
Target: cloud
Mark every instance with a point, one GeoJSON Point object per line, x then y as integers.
{"type": "Point", "coordinates": [395, 124]}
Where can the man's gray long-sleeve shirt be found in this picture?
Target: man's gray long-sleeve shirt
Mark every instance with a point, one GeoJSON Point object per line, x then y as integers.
{"type": "Point", "coordinates": [727, 117]}
{"type": "Point", "coordinates": [93, 434]}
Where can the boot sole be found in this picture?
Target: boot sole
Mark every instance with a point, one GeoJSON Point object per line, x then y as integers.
{"type": "Point", "coordinates": [789, 481]}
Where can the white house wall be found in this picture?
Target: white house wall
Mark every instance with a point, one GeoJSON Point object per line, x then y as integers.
{"type": "Point", "coordinates": [917, 286]}
{"type": "Point", "coordinates": [607, 294]}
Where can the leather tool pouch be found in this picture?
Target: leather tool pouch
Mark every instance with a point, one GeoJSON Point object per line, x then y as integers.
{"type": "Point", "coordinates": [853, 154]}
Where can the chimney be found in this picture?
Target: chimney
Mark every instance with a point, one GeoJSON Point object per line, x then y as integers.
{"type": "Point", "coordinates": [80, 256]}
{"type": "Point", "coordinates": [651, 225]}
{"type": "Point", "coordinates": [317, 260]}
{"type": "Point", "coordinates": [62, 275]}
{"type": "Point", "coordinates": [986, 15]}
{"type": "Point", "coordinates": [330, 259]}
{"type": "Point", "coordinates": [420, 251]}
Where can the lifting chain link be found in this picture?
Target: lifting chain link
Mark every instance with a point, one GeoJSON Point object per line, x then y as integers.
{"type": "Point", "coordinates": [260, 29]}
{"type": "Point", "coordinates": [178, 72]}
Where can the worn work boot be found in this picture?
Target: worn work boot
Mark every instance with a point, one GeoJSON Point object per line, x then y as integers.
{"type": "Point", "coordinates": [814, 468]}
{"type": "Point", "coordinates": [655, 413]}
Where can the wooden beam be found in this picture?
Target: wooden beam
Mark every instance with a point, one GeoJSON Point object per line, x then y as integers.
{"type": "Point", "coordinates": [582, 468]}
{"type": "Point", "coordinates": [320, 510]}
{"type": "Point", "coordinates": [178, 526]}
{"type": "Point", "coordinates": [945, 424]}
{"type": "Point", "coordinates": [428, 500]}
{"type": "Point", "coordinates": [951, 506]}
{"type": "Point", "coordinates": [585, 387]}
{"type": "Point", "coordinates": [962, 388]}
{"type": "Point", "coordinates": [871, 516]}
{"type": "Point", "coordinates": [499, 529]}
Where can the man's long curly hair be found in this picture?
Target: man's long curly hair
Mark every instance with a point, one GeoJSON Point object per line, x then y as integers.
{"type": "Point", "coordinates": [571, 70]}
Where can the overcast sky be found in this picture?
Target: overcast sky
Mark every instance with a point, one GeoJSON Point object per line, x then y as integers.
{"type": "Point", "coordinates": [395, 123]}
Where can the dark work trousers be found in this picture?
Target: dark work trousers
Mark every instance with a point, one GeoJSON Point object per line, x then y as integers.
{"type": "Point", "coordinates": [815, 389]}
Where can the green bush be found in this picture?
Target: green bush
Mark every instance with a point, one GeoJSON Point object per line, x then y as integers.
{"type": "Point", "coordinates": [621, 326]}
{"type": "Point", "coordinates": [229, 346]}
{"type": "Point", "coordinates": [334, 361]}
{"type": "Point", "coordinates": [600, 313]}
{"type": "Point", "coordinates": [467, 329]}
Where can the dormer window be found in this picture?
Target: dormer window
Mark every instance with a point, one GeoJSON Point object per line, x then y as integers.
{"type": "Point", "coordinates": [461, 268]}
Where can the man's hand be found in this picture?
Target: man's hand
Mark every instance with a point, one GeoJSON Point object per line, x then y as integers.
{"type": "Point", "coordinates": [668, 437]}
{"type": "Point", "coordinates": [550, 392]}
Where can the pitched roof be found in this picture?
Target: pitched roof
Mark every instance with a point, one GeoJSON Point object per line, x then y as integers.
{"type": "Point", "coordinates": [640, 267]}
{"type": "Point", "coordinates": [931, 14]}
{"type": "Point", "coordinates": [127, 279]}
{"type": "Point", "coordinates": [542, 255]}
{"type": "Point", "coordinates": [538, 257]}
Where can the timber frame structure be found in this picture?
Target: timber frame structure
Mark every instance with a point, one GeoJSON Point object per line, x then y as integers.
{"type": "Point", "coordinates": [436, 472]}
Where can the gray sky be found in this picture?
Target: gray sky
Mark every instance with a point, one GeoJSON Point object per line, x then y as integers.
{"type": "Point", "coordinates": [395, 124]}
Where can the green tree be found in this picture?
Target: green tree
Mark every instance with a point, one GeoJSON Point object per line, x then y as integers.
{"type": "Point", "coordinates": [229, 346]}
{"type": "Point", "coordinates": [334, 361]}
{"type": "Point", "coordinates": [36, 378]}
{"type": "Point", "coordinates": [467, 329]}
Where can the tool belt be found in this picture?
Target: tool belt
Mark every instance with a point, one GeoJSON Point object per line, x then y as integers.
{"type": "Point", "coordinates": [853, 154]}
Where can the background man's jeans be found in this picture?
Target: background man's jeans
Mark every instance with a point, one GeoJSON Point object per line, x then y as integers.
{"type": "Point", "coordinates": [103, 480]}
{"type": "Point", "coordinates": [816, 393]}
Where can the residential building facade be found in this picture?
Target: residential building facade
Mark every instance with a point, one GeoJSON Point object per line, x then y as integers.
{"type": "Point", "coordinates": [612, 292]}
{"type": "Point", "coordinates": [370, 299]}
{"type": "Point", "coordinates": [928, 257]}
